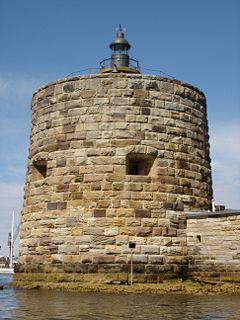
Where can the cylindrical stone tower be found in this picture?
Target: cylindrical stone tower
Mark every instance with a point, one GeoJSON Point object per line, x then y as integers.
{"type": "Point", "coordinates": [114, 158]}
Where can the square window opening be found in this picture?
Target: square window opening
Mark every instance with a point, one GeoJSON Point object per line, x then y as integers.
{"type": "Point", "coordinates": [139, 164]}
{"type": "Point", "coordinates": [39, 170]}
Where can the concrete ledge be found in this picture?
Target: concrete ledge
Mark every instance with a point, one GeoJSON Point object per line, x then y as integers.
{"type": "Point", "coordinates": [209, 214]}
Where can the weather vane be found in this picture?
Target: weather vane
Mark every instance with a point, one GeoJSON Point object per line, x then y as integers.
{"type": "Point", "coordinates": [120, 29]}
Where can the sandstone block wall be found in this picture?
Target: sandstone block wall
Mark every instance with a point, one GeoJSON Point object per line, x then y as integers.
{"type": "Point", "coordinates": [214, 246]}
{"type": "Point", "coordinates": [114, 158]}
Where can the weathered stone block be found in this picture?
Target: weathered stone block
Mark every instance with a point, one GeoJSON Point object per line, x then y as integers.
{"type": "Point", "coordinates": [122, 239]}
{"type": "Point", "coordinates": [152, 85]}
{"type": "Point", "coordinates": [52, 206]}
{"type": "Point", "coordinates": [49, 91]}
{"type": "Point", "coordinates": [138, 259]}
{"type": "Point", "coordinates": [142, 213]}
{"type": "Point", "coordinates": [150, 249]}
{"type": "Point", "coordinates": [85, 94]}
{"type": "Point", "coordinates": [69, 128]}
{"type": "Point", "coordinates": [134, 187]}
{"type": "Point", "coordinates": [69, 249]}
{"type": "Point", "coordinates": [137, 93]}
{"type": "Point", "coordinates": [111, 232]}
{"type": "Point", "coordinates": [155, 259]}
{"type": "Point", "coordinates": [102, 259]}
{"type": "Point", "coordinates": [149, 222]}
{"type": "Point", "coordinates": [168, 205]}
{"type": "Point", "coordinates": [146, 111]}
{"type": "Point", "coordinates": [143, 231]}
{"type": "Point", "coordinates": [112, 269]}
{"type": "Point", "coordinates": [71, 221]}
{"type": "Point", "coordinates": [157, 231]}
{"type": "Point", "coordinates": [117, 186]}
{"type": "Point", "coordinates": [57, 205]}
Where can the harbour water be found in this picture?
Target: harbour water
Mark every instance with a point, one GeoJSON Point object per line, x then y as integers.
{"type": "Point", "coordinates": [58, 305]}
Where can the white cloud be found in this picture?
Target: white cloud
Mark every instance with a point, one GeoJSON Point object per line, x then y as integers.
{"type": "Point", "coordinates": [10, 191]}
{"type": "Point", "coordinates": [225, 138]}
{"type": "Point", "coordinates": [20, 87]}
{"type": "Point", "coordinates": [15, 95]}
{"type": "Point", "coordinates": [225, 153]}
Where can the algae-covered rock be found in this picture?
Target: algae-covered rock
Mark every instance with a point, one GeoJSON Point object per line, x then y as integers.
{"type": "Point", "coordinates": [74, 282]}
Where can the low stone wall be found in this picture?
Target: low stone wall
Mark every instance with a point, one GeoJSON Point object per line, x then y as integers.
{"type": "Point", "coordinates": [214, 246]}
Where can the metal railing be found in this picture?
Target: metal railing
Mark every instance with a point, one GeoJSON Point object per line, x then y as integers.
{"type": "Point", "coordinates": [83, 71]}
{"type": "Point", "coordinates": [107, 63]}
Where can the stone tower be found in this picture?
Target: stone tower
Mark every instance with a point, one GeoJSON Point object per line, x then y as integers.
{"type": "Point", "coordinates": [114, 158]}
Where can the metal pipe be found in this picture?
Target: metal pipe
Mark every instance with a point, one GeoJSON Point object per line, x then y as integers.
{"type": "Point", "coordinates": [131, 281]}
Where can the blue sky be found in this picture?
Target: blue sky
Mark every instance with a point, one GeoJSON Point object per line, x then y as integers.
{"type": "Point", "coordinates": [195, 41]}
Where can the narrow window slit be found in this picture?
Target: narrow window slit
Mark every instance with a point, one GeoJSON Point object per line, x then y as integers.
{"type": "Point", "coordinates": [199, 238]}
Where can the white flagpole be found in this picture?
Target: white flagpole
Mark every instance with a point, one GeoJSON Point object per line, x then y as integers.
{"type": "Point", "coordinates": [11, 244]}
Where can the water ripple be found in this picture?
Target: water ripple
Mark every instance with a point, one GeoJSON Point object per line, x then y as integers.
{"type": "Point", "coordinates": [60, 305]}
